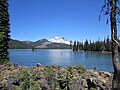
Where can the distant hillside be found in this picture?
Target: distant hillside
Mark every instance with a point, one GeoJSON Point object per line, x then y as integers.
{"type": "Point", "coordinates": [15, 44]}
{"type": "Point", "coordinates": [58, 46]}
{"type": "Point", "coordinates": [40, 44]}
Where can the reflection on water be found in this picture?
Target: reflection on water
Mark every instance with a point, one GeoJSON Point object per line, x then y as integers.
{"type": "Point", "coordinates": [102, 61]}
{"type": "Point", "coordinates": [59, 57]}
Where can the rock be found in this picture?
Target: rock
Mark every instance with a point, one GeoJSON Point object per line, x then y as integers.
{"type": "Point", "coordinates": [38, 65]}
{"type": "Point", "coordinates": [103, 80]}
{"type": "Point", "coordinates": [12, 83]}
{"type": "Point", "coordinates": [105, 74]}
{"type": "Point", "coordinates": [43, 84]}
{"type": "Point", "coordinates": [77, 84]}
{"type": "Point", "coordinates": [93, 73]}
{"type": "Point", "coordinates": [16, 66]}
{"type": "Point", "coordinates": [96, 73]}
{"type": "Point", "coordinates": [3, 85]}
{"type": "Point", "coordinates": [85, 83]}
{"type": "Point", "coordinates": [91, 83]}
{"type": "Point", "coordinates": [48, 78]}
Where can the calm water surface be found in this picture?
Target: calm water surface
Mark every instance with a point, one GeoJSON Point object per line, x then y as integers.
{"type": "Point", "coordinates": [102, 61]}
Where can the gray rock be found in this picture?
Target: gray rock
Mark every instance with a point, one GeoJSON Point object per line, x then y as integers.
{"type": "Point", "coordinates": [105, 74]}
{"type": "Point", "coordinates": [38, 65]}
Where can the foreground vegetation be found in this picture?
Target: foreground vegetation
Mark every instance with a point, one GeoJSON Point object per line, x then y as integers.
{"type": "Point", "coordinates": [14, 77]}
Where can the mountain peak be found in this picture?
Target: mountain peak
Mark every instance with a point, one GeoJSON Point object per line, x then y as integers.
{"type": "Point", "coordinates": [59, 39]}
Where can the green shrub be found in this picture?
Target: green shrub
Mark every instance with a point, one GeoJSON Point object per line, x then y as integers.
{"type": "Point", "coordinates": [80, 69]}
{"type": "Point", "coordinates": [95, 68]}
{"type": "Point", "coordinates": [28, 81]}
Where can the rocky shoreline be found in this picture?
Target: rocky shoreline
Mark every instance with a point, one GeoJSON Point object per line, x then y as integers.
{"type": "Point", "coordinates": [14, 77]}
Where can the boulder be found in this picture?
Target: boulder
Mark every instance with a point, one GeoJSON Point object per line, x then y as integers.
{"type": "Point", "coordinates": [91, 83]}
{"type": "Point", "coordinates": [105, 74]}
{"type": "Point", "coordinates": [38, 65]}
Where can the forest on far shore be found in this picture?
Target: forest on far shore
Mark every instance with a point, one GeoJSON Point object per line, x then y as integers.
{"type": "Point", "coordinates": [99, 45]}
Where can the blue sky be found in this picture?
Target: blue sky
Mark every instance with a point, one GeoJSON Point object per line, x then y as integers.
{"type": "Point", "coordinates": [72, 19]}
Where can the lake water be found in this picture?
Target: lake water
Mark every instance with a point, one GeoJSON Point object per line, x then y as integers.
{"type": "Point", "coordinates": [26, 57]}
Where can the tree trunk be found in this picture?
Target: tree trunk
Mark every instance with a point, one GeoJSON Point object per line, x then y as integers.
{"type": "Point", "coordinates": [116, 65]}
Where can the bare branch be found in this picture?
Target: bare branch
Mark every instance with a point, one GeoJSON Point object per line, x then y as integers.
{"type": "Point", "coordinates": [107, 6]}
{"type": "Point", "coordinates": [115, 39]}
{"type": "Point", "coordinates": [103, 8]}
{"type": "Point", "coordinates": [116, 42]}
{"type": "Point", "coordinates": [118, 1]}
{"type": "Point", "coordinates": [118, 10]}
{"type": "Point", "coordinates": [107, 19]}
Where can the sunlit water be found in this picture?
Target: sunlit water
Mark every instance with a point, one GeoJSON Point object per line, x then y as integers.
{"type": "Point", "coordinates": [26, 57]}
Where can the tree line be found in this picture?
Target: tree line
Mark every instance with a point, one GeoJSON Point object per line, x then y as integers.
{"type": "Point", "coordinates": [88, 45]}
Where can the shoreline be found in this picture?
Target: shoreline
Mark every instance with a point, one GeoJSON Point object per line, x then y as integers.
{"type": "Point", "coordinates": [53, 77]}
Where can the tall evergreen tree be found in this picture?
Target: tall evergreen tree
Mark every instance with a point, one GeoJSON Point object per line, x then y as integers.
{"type": "Point", "coordinates": [104, 45]}
{"type": "Point", "coordinates": [4, 31]}
{"type": "Point", "coordinates": [93, 46]}
{"type": "Point", "coordinates": [86, 45]}
{"type": "Point", "coordinates": [111, 8]}
{"type": "Point", "coordinates": [90, 46]}
{"type": "Point", "coordinates": [108, 45]}
{"type": "Point", "coordinates": [78, 46]}
{"type": "Point", "coordinates": [71, 44]}
{"type": "Point", "coordinates": [81, 46]}
{"type": "Point", "coordinates": [98, 46]}
{"type": "Point", "coordinates": [74, 46]}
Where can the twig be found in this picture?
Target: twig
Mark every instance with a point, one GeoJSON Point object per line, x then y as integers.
{"type": "Point", "coordinates": [115, 40]}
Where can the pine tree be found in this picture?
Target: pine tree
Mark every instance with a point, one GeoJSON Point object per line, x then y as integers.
{"type": "Point", "coordinates": [78, 46]}
{"type": "Point", "coordinates": [111, 9]}
{"type": "Point", "coordinates": [4, 31]}
{"type": "Point", "coordinates": [108, 45]}
{"type": "Point", "coordinates": [97, 44]}
{"type": "Point", "coordinates": [81, 46]}
{"type": "Point", "coordinates": [93, 46]}
{"type": "Point", "coordinates": [74, 46]}
{"type": "Point", "coordinates": [104, 45]}
{"type": "Point", "coordinates": [86, 44]}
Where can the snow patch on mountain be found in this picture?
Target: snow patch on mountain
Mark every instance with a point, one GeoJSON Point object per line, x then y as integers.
{"type": "Point", "coordinates": [59, 39]}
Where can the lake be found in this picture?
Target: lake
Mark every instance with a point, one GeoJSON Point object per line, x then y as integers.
{"type": "Point", "coordinates": [26, 57]}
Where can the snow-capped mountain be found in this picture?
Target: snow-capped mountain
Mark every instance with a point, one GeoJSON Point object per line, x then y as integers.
{"type": "Point", "coordinates": [59, 39]}
{"type": "Point", "coordinates": [39, 44]}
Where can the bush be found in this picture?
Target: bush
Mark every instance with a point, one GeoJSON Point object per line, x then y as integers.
{"type": "Point", "coordinates": [95, 68]}
{"type": "Point", "coordinates": [28, 81]}
{"type": "Point", "coordinates": [80, 69]}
